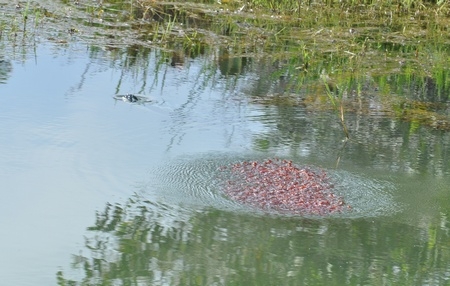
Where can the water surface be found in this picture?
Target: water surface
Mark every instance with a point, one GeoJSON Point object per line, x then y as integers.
{"type": "Point", "coordinates": [97, 190]}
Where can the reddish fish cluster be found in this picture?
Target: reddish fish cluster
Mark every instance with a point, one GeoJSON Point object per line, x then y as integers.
{"type": "Point", "coordinates": [282, 186]}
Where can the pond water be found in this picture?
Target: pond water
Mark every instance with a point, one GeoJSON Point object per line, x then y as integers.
{"type": "Point", "coordinates": [100, 191]}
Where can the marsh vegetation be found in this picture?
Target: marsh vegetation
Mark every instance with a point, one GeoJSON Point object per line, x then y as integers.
{"type": "Point", "coordinates": [354, 56]}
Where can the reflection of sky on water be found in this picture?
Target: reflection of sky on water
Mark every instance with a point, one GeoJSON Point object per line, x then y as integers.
{"type": "Point", "coordinates": [68, 147]}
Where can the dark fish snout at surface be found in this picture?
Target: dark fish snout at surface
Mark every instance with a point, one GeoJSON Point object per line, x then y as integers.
{"type": "Point", "coordinates": [133, 98]}
{"type": "Point", "coordinates": [130, 98]}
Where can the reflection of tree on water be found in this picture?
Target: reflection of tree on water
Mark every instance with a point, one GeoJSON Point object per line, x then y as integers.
{"type": "Point", "coordinates": [376, 141]}
{"type": "Point", "coordinates": [5, 70]}
{"type": "Point", "coordinates": [145, 243]}
{"type": "Point", "coordinates": [230, 64]}
{"type": "Point", "coordinates": [289, 120]}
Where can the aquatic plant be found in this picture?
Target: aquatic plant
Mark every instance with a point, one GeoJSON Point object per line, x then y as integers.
{"type": "Point", "coordinates": [336, 95]}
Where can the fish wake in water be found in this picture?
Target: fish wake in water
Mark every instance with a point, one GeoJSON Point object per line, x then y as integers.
{"type": "Point", "coordinates": [132, 98]}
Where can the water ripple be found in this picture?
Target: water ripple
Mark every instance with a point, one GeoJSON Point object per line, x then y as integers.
{"type": "Point", "coordinates": [368, 197]}
{"type": "Point", "coordinates": [193, 181]}
{"type": "Point", "coordinates": [196, 183]}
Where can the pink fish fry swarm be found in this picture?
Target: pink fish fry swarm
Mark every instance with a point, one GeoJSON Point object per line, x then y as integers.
{"type": "Point", "coordinates": [282, 186]}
